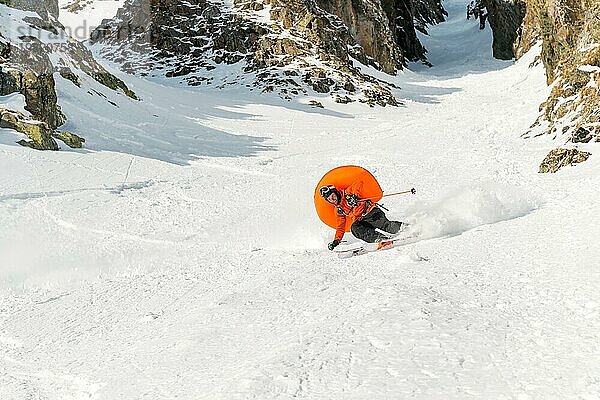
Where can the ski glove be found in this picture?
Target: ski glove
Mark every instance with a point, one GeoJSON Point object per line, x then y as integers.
{"type": "Point", "coordinates": [333, 244]}
{"type": "Point", "coordinates": [352, 200]}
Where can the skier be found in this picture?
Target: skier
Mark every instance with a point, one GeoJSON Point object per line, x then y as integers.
{"type": "Point", "coordinates": [365, 215]}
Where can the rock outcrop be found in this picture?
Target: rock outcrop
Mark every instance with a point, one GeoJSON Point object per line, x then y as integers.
{"type": "Point", "coordinates": [289, 46]}
{"type": "Point", "coordinates": [567, 28]}
{"type": "Point", "coordinates": [560, 157]}
{"type": "Point", "coordinates": [70, 139]}
{"type": "Point", "coordinates": [505, 18]}
{"type": "Point", "coordinates": [570, 34]}
{"type": "Point", "coordinates": [367, 24]}
{"type": "Point", "coordinates": [39, 133]}
{"type": "Point", "coordinates": [29, 71]}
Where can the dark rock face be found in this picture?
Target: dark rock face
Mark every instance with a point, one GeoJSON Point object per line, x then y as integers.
{"type": "Point", "coordinates": [40, 96]}
{"type": "Point", "coordinates": [506, 18]}
{"type": "Point", "coordinates": [370, 27]}
{"type": "Point", "coordinates": [559, 158]}
{"type": "Point", "coordinates": [406, 17]}
{"type": "Point", "coordinates": [302, 45]}
{"type": "Point", "coordinates": [582, 135]}
{"type": "Point", "coordinates": [427, 12]}
{"type": "Point", "coordinates": [401, 17]}
{"type": "Point", "coordinates": [8, 83]}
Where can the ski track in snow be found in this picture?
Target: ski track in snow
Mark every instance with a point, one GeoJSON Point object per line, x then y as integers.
{"type": "Point", "coordinates": [138, 269]}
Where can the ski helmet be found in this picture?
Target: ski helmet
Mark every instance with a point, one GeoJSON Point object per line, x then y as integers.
{"type": "Point", "coordinates": [327, 190]}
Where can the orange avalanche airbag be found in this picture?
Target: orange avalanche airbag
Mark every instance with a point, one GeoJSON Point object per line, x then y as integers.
{"type": "Point", "coordinates": [342, 178]}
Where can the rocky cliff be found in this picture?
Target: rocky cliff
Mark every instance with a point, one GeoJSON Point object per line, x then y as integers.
{"type": "Point", "coordinates": [505, 18]}
{"type": "Point", "coordinates": [34, 47]}
{"type": "Point", "coordinates": [570, 35]}
{"type": "Point", "coordinates": [289, 46]}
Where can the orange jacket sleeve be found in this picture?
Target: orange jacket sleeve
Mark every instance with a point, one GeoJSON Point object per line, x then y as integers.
{"type": "Point", "coordinates": [340, 228]}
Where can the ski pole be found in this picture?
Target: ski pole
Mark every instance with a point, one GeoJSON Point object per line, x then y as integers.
{"type": "Point", "coordinates": [382, 206]}
{"type": "Point", "coordinates": [413, 191]}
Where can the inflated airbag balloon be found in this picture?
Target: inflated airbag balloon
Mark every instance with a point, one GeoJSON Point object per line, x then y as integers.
{"type": "Point", "coordinates": [342, 178]}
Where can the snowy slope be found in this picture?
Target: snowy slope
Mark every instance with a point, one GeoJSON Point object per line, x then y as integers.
{"type": "Point", "coordinates": [179, 255]}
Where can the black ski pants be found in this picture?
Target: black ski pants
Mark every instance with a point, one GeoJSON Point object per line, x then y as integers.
{"type": "Point", "coordinates": [376, 219]}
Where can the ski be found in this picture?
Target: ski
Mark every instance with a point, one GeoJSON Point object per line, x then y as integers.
{"type": "Point", "coordinates": [372, 247]}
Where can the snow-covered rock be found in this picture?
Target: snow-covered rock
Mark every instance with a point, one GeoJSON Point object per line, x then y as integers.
{"type": "Point", "coordinates": [34, 47]}
{"type": "Point", "coordinates": [289, 46]}
{"type": "Point", "coordinates": [570, 35]}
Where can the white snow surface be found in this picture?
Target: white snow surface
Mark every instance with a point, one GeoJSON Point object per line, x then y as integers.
{"type": "Point", "coordinates": [14, 101]}
{"type": "Point", "coordinates": [179, 255]}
